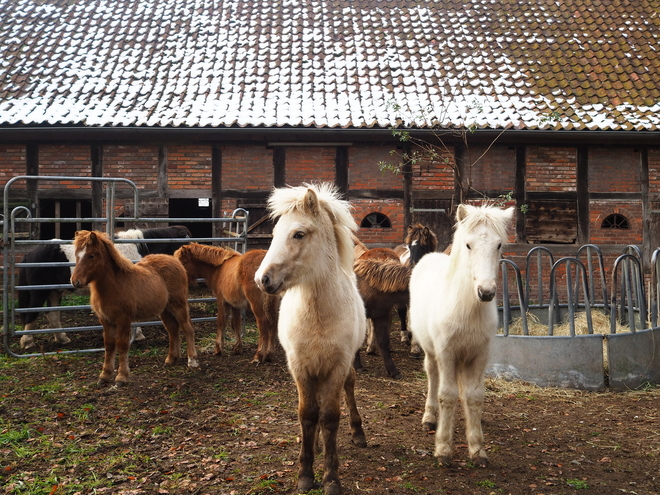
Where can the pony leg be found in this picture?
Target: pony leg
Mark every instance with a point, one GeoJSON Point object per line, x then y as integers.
{"type": "Point", "coordinates": [329, 395]}
{"type": "Point", "coordinates": [55, 299]}
{"type": "Point", "coordinates": [189, 333]}
{"type": "Point", "coordinates": [357, 433]}
{"type": "Point", "coordinates": [265, 315]}
{"type": "Point", "coordinates": [430, 418]}
{"type": "Point", "coordinates": [221, 322]}
{"type": "Point", "coordinates": [123, 344]}
{"type": "Point", "coordinates": [405, 334]}
{"type": "Point", "coordinates": [472, 388]}
{"type": "Point", "coordinates": [308, 414]}
{"type": "Point", "coordinates": [110, 345]}
{"type": "Point", "coordinates": [372, 346]}
{"type": "Point", "coordinates": [381, 331]}
{"type": "Point", "coordinates": [447, 397]}
{"type": "Point", "coordinates": [236, 320]}
{"type": "Point", "coordinates": [172, 326]}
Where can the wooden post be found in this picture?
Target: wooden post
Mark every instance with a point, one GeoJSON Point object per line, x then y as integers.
{"type": "Point", "coordinates": [216, 189]}
{"type": "Point", "coordinates": [583, 195]}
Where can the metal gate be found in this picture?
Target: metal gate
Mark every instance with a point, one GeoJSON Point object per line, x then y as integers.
{"type": "Point", "coordinates": [234, 232]}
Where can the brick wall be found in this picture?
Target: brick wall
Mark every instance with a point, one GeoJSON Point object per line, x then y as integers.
{"type": "Point", "coordinates": [310, 164]}
{"type": "Point", "coordinates": [654, 174]}
{"type": "Point", "coordinates": [613, 170]}
{"type": "Point", "coordinates": [392, 208]}
{"type": "Point", "coordinates": [189, 167]}
{"type": "Point", "coordinates": [364, 173]}
{"type": "Point", "coordinates": [495, 170]}
{"type": "Point", "coordinates": [599, 210]}
{"type": "Point", "coordinates": [435, 175]}
{"type": "Point", "coordinates": [247, 167]}
{"type": "Point", "coordinates": [550, 169]}
{"type": "Point", "coordinates": [135, 163]}
{"type": "Point", "coordinates": [66, 160]}
{"type": "Point", "coordinates": [12, 162]}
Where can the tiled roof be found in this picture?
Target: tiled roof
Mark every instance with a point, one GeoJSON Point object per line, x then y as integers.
{"type": "Point", "coordinates": [542, 64]}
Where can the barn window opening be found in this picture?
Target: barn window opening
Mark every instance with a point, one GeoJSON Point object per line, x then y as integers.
{"type": "Point", "coordinates": [376, 220]}
{"type": "Point", "coordinates": [615, 221]}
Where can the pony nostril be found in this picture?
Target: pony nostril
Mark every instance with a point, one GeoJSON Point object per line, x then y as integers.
{"type": "Point", "coordinates": [485, 295]}
{"type": "Point", "coordinates": [265, 281]}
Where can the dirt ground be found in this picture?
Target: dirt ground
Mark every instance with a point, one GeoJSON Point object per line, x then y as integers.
{"type": "Point", "coordinates": [232, 428]}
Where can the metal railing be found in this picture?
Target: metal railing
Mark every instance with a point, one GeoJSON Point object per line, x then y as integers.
{"type": "Point", "coordinates": [236, 228]}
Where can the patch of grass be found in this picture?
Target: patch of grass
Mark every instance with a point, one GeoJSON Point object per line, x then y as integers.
{"type": "Point", "coordinates": [75, 300]}
{"type": "Point", "coordinates": [487, 484]}
{"type": "Point", "coordinates": [577, 484]}
{"type": "Point", "coordinates": [161, 430]}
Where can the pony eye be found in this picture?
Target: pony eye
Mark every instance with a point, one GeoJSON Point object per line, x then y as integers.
{"type": "Point", "coordinates": [468, 246]}
{"type": "Point", "coordinates": [499, 246]}
{"type": "Point", "coordinates": [299, 235]}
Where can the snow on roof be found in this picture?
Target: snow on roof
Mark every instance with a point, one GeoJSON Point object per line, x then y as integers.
{"type": "Point", "coordinates": [575, 64]}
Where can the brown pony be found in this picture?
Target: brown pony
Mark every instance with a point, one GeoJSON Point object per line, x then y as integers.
{"type": "Point", "coordinates": [375, 342]}
{"type": "Point", "coordinates": [383, 285]}
{"type": "Point", "coordinates": [122, 292]}
{"type": "Point", "coordinates": [230, 275]}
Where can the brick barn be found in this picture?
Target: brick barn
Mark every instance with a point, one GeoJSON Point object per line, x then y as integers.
{"type": "Point", "coordinates": [553, 104]}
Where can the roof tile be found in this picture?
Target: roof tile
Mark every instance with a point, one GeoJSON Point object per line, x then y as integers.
{"type": "Point", "coordinates": [330, 63]}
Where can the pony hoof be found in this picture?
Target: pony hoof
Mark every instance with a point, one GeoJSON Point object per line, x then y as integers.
{"type": "Point", "coordinates": [396, 376]}
{"type": "Point", "coordinates": [306, 484]}
{"type": "Point", "coordinates": [429, 427]}
{"type": "Point", "coordinates": [415, 354]}
{"type": "Point", "coordinates": [332, 488]}
{"type": "Point", "coordinates": [121, 383]}
{"type": "Point", "coordinates": [139, 335]}
{"type": "Point", "coordinates": [237, 350]}
{"type": "Point", "coordinates": [444, 461]}
{"type": "Point", "coordinates": [193, 363]}
{"type": "Point", "coordinates": [360, 441]}
{"type": "Point", "coordinates": [27, 342]}
{"type": "Point", "coordinates": [62, 339]}
{"type": "Point", "coordinates": [480, 461]}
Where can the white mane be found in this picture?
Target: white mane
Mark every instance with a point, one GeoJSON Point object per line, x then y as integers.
{"type": "Point", "coordinates": [129, 234]}
{"type": "Point", "coordinates": [285, 200]}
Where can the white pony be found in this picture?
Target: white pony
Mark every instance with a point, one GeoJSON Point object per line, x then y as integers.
{"type": "Point", "coordinates": [322, 318]}
{"type": "Point", "coordinates": [453, 315]}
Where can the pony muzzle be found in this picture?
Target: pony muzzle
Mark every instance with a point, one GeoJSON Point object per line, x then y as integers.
{"type": "Point", "coordinates": [77, 283]}
{"type": "Point", "coordinates": [486, 295]}
{"type": "Point", "coordinates": [266, 284]}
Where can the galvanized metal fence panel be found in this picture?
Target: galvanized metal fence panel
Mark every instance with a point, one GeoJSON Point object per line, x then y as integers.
{"type": "Point", "coordinates": [236, 228]}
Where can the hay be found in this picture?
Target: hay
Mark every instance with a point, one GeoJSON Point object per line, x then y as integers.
{"type": "Point", "coordinates": [600, 323]}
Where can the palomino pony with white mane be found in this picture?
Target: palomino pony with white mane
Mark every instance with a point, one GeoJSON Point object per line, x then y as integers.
{"type": "Point", "coordinates": [322, 319]}
{"type": "Point", "coordinates": [453, 315]}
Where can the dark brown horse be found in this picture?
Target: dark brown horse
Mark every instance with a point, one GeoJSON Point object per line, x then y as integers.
{"type": "Point", "coordinates": [230, 275]}
{"type": "Point", "coordinates": [122, 292]}
{"type": "Point", "coordinates": [383, 285]}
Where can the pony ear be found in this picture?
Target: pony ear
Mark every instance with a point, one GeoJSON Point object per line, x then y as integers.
{"type": "Point", "coordinates": [462, 212]}
{"type": "Point", "coordinates": [311, 201]}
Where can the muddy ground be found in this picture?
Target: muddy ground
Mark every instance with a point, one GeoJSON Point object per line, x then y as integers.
{"type": "Point", "coordinates": [232, 428]}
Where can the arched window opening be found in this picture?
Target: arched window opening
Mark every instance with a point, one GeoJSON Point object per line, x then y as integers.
{"type": "Point", "coordinates": [376, 220]}
{"type": "Point", "coordinates": [615, 221]}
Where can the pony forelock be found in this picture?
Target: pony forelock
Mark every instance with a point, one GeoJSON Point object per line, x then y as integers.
{"type": "Point", "coordinates": [288, 199]}
{"type": "Point", "coordinates": [493, 217]}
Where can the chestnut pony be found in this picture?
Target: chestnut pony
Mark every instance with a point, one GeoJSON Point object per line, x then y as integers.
{"type": "Point", "coordinates": [230, 275]}
{"type": "Point", "coordinates": [322, 319]}
{"type": "Point", "coordinates": [122, 292]}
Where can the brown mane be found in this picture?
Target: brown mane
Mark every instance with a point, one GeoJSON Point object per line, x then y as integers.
{"type": "Point", "coordinates": [91, 239]}
{"type": "Point", "coordinates": [211, 255]}
{"type": "Point", "coordinates": [384, 275]}
{"type": "Point", "coordinates": [423, 235]}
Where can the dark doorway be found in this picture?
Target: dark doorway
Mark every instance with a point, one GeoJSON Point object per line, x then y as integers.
{"type": "Point", "coordinates": [64, 208]}
{"type": "Point", "coordinates": [192, 208]}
